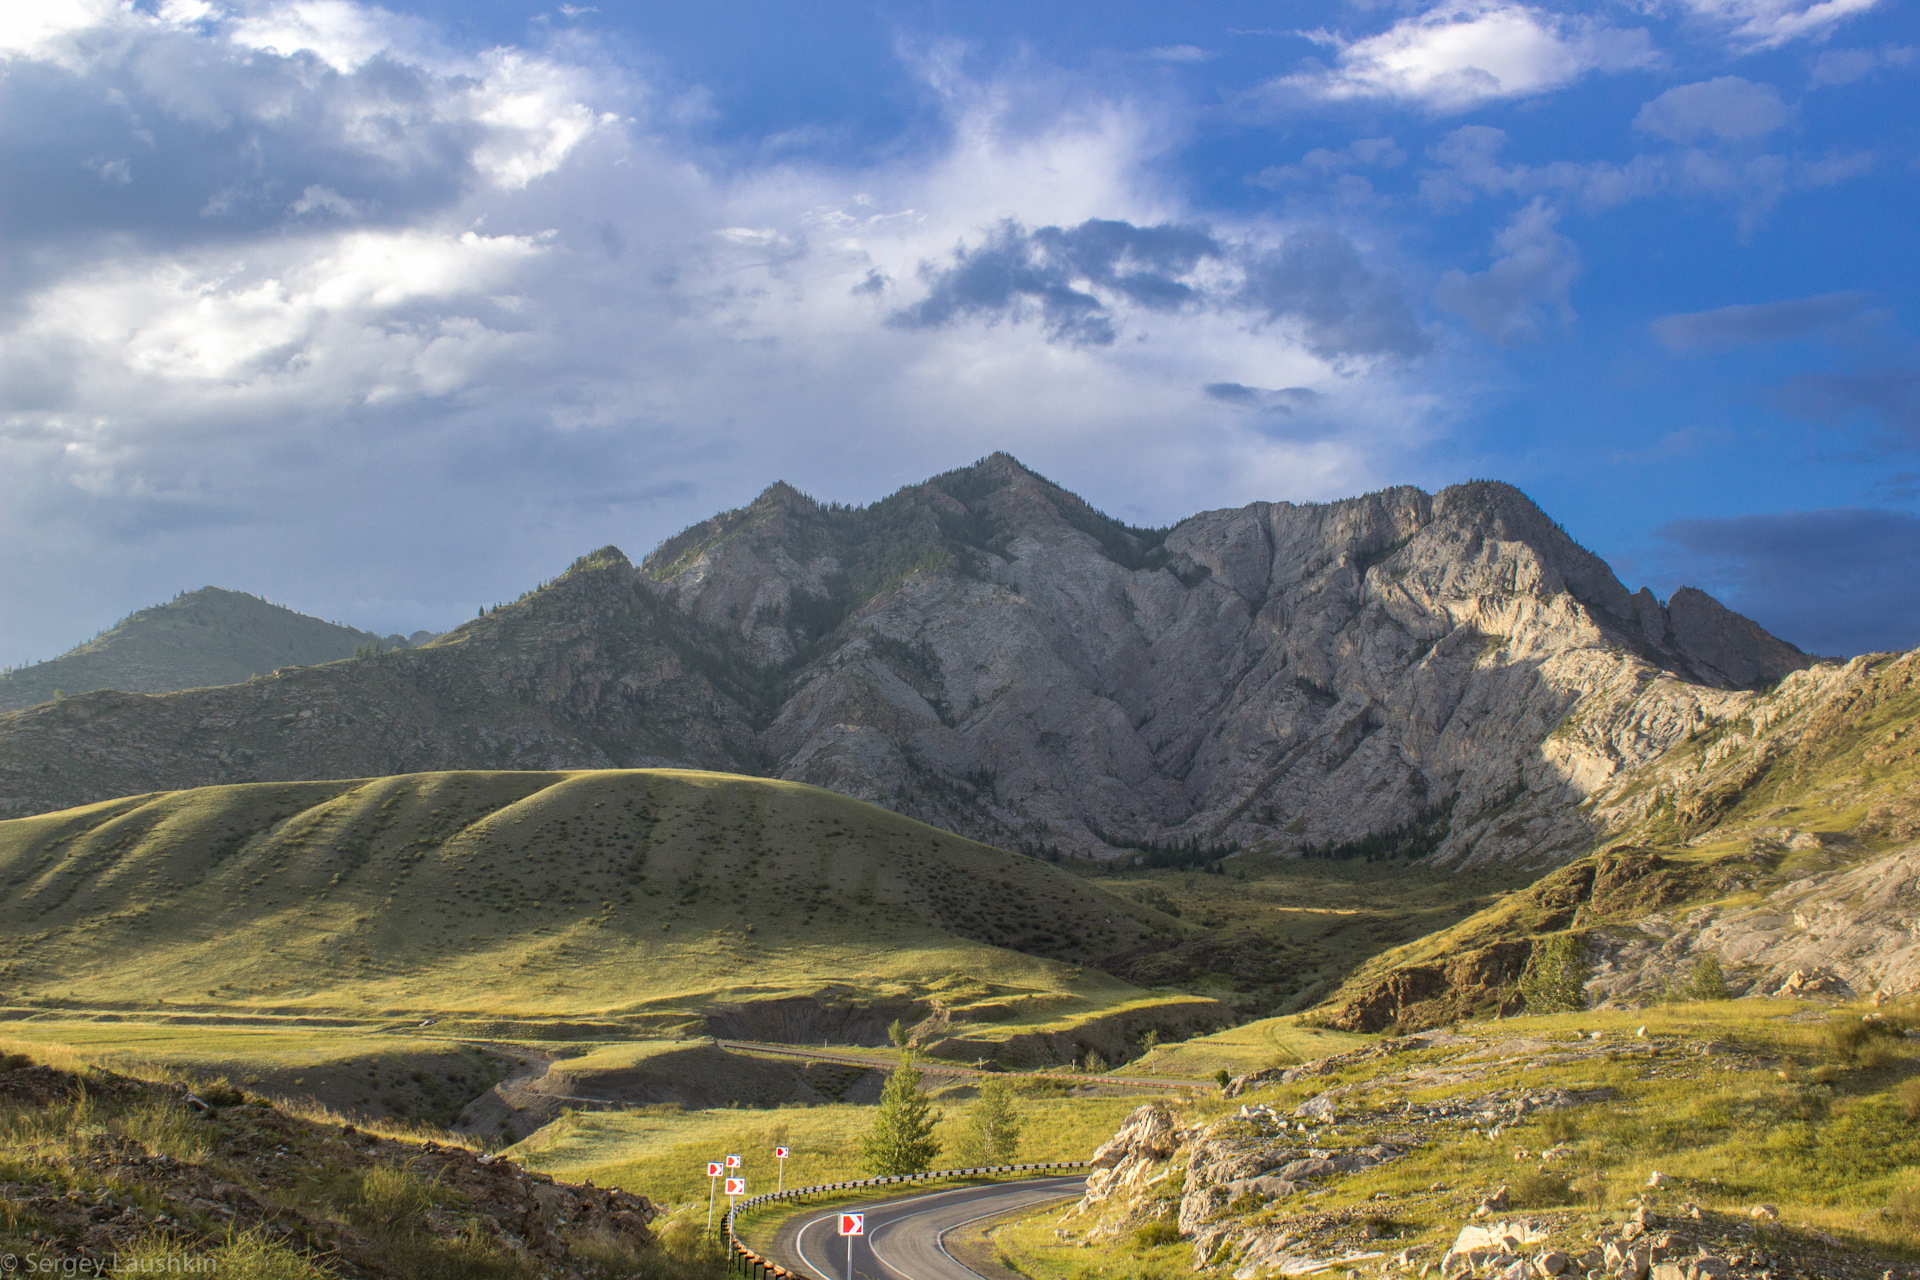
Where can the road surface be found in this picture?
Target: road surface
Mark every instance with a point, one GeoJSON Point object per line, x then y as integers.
{"type": "Point", "coordinates": [904, 1233]}
{"type": "Point", "coordinates": [930, 1067]}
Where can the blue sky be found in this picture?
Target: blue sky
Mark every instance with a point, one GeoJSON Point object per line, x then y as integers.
{"type": "Point", "coordinates": [388, 312]}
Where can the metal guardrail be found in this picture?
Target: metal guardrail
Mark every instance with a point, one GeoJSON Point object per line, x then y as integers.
{"type": "Point", "coordinates": [744, 1260]}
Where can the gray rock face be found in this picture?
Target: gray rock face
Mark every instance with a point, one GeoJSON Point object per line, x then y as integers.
{"type": "Point", "coordinates": [1450, 668]}
{"type": "Point", "coordinates": [1845, 933]}
{"type": "Point", "coordinates": [988, 653]}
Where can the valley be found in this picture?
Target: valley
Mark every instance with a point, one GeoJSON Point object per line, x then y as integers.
{"type": "Point", "coordinates": [1336, 804]}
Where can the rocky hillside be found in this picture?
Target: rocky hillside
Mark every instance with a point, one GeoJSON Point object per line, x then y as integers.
{"type": "Point", "coordinates": [987, 652]}
{"type": "Point", "coordinates": [197, 639]}
{"type": "Point", "coordinates": [1778, 839]}
{"type": "Point", "coordinates": [1722, 1140]}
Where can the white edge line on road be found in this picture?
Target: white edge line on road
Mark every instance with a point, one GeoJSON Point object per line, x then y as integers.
{"type": "Point", "coordinates": [800, 1236]}
{"type": "Point", "coordinates": [940, 1241]}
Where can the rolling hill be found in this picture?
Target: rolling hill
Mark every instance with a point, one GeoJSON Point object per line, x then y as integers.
{"type": "Point", "coordinates": [634, 902]}
{"type": "Point", "coordinates": [197, 639]}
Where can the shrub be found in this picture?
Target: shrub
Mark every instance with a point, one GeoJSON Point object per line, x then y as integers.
{"type": "Point", "coordinates": [1908, 1095]}
{"type": "Point", "coordinates": [1538, 1189]}
{"type": "Point", "coordinates": [1559, 1126]}
{"type": "Point", "coordinates": [1154, 1234]}
{"type": "Point", "coordinates": [1863, 1042]}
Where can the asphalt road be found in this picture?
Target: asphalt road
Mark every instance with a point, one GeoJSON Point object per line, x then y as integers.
{"type": "Point", "coordinates": [904, 1234]}
{"type": "Point", "coordinates": [885, 1061]}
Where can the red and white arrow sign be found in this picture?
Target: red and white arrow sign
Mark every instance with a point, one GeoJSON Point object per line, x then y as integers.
{"type": "Point", "coordinates": [736, 1186]}
{"type": "Point", "coordinates": [733, 1162]}
{"type": "Point", "coordinates": [713, 1169]}
{"type": "Point", "coordinates": [779, 1153]}
{"type": "Point", "coordinates": [853, 1224]}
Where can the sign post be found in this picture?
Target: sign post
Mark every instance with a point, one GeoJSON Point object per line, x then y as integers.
{"type": "Point", "coordinates": [735, 1187]}
{"type": "Point", "coordinates": [714, 1172]}
{"type": "Point", "coordinates": [851, 1225]}
{"type": "Point", "coordinates": [780, 1154]}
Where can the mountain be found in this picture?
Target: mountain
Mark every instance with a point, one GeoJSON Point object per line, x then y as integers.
{"type": "Point", "coordinates": [197, 639]}
{"type": "Point", "coordinates": [1781, 839]}
{"type": "Point", "coordinates": [986, 652]}
{"type": "Point", "coordinates": [643, 901]}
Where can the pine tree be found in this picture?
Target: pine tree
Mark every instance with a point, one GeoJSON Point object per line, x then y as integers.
{"type": "Point", "coordinates": [992, 1133]}
{"type": "Point", "coordinates": [901, 1140]}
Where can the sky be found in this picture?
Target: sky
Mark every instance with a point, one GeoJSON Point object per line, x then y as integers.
{"type": "Point", "coordinates": [389, 313]}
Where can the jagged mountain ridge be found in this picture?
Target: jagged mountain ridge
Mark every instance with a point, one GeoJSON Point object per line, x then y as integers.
{"type": "Point", "coordinates": [196, 640]}
{"type": "Point", "coordinates": [987, 652]}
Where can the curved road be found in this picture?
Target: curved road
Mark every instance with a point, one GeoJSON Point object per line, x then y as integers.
{"type": "Point", "coordinates": [904, 1234]}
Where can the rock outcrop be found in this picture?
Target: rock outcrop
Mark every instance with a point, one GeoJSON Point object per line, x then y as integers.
{"type": "Point", "coordinates": [1777, 839]}
{"type": "Point", "coordinates": [1444, 672]}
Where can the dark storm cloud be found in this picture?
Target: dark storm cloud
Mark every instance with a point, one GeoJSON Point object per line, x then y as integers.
{"type": "Point", "coordinates": [1018, 270]}
{"type": "Point", "coordinates": [1760, 322]}
{"type": "Point", "coordinates": [1075, 276]}
{"type": "Point", "coordinates": [1282, 400]}
{"type": "Point", "coordinates": [1840, 581]}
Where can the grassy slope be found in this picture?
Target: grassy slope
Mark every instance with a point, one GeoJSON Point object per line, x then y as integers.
{"type": "Point", "coordinates": [1778, 1112]}
{"type": "Point", "coordinates": [1834, 754]}
{"type": "Point", "coordinates": [640, 895]}
{"type": "Point", "coordinates": [206, 637]}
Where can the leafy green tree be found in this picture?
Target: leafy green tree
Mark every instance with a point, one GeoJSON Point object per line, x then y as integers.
{"type": "Point", "coordinates": [992, 1132]}
{"type": "Point", "coordinates": [901, 1140]}
{"type": "Point", "coordinates": [1556, 975]}
{"type": "Point", "coordinates": [898, 1034]}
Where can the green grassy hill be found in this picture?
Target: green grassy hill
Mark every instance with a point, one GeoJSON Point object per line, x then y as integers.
{"type": "Point", "coordinates": [202, 638]}
{"type": "Point", "coordinates": [632, 900]}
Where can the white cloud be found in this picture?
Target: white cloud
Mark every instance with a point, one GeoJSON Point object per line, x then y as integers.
{"type": "Point", "coordinates": [341, 34]}
{"type": "Point", "coordinates": [1468, 165]}
{"type": "Point", "coordinates": [1724, 107]}
{"type": "Point", "coordinates": [506, 311]}
{"type": "Point", "coordinates": [1767, 24]}
{"type": "Point", "coordinates": [1844, 66]}
{"type": "Point", "coordinates": [1459, 54]}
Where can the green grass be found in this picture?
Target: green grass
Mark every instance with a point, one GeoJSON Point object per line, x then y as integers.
{"type": "Point", "coordinates": [662, 1151]}
{"type": "Point", "coordinates": [1252, 1046]}
{"type": "Point", "coordinates": [638, 895]}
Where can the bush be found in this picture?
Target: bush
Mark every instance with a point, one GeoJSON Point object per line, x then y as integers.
{"type": "Point", "coordinates": [1538, 1189]}
{"type": "Point", "coordinates": [1863, 1042]}
{"type": "Point", "coordinates": [1559, 1127]}
{"type": "Point", "coordinates": [1908, 1095]}
{"type": "Point", "coordinates": [1153, 1235]}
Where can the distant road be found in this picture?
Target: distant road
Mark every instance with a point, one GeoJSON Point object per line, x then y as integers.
{"type": "Point", "coordinates": [905, 1234]}
{"type": "Point", "coordinates": [932, 1068]}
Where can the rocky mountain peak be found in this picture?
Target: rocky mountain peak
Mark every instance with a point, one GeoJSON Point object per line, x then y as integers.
{"type": "Point", "coordinates": [985, 650]}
